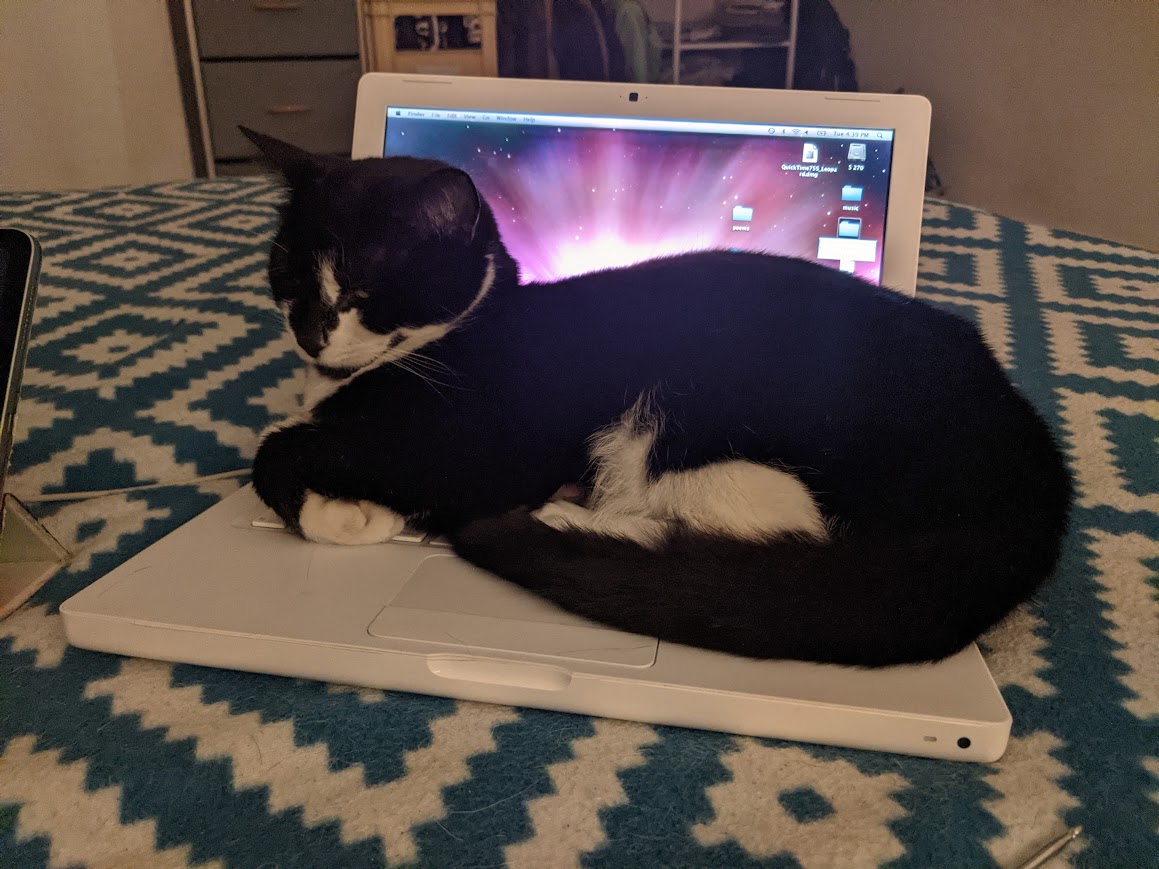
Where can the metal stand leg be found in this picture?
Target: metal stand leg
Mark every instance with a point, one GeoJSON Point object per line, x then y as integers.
{"type": "Point", "coordinates": [29, 556]}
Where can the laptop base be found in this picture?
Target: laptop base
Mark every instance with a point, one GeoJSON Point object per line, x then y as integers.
{"type": "Point", "coordinates": [221, 593]}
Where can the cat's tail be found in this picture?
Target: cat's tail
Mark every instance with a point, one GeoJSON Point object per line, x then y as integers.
{"type": "Point", "coordinates": [862, 600]}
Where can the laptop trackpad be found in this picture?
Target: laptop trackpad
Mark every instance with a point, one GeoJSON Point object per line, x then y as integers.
{"type": "Point", "coordinates": [453, 604]}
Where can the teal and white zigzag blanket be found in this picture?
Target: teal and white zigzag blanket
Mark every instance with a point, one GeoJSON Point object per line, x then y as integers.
{"type": "Point", "coordinates": [157, 356]}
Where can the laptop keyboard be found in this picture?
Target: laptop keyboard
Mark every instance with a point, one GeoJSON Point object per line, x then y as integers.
{"type": "Point", "coordinates": [269, 521]}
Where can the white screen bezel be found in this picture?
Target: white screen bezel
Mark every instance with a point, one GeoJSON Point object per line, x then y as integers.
{"type": "Point", "coordinates": [907, 115]}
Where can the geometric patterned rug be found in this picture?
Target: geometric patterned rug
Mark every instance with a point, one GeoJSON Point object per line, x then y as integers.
{"type": "Point", "coordinates": [157, 357]}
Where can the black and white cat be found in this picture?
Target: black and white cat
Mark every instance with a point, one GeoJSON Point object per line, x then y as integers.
{"type": "Point", "coordinates": [779, 460]}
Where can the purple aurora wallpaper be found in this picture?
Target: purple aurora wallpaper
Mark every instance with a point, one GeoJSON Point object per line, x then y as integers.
{"type": "Point", "coordinates": [571, 200]}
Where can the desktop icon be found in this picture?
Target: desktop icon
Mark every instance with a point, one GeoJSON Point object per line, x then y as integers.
{"type": "Point", "coordinates": [850, 193]}
{"type": "Point", "coordinates": [849, 227]}
{"type": "Point", "coordinates": [856, 150]}
{"type": "Point", "coordinates": [809, 153]}
{"type": "Point", "coordinates": [742, 213]}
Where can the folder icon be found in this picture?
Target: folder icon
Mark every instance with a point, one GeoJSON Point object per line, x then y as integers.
{"type": "Point", "coordinates": [742, 213]}
{"type": "Point", "coordinates": [850, 193]}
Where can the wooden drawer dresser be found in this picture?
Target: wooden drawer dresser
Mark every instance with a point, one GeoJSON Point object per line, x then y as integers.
{"type": "Point", "coordinates": [288, 68]}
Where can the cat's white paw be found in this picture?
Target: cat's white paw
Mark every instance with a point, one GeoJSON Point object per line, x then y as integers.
{"type": "Point", "coordinates": [566, 516]}
{"type": "Point", "coordinates": [562, 515]}
{"type": "Point", "coordinates": [352, 523]}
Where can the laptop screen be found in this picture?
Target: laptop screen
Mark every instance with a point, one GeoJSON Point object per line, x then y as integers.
{"type": "Point", "coordinates": [574, 193]}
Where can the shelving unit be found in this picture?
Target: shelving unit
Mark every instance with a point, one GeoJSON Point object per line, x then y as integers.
{"type": "Point", "coordinates": [789, 43]}
{"type": "Point", "coordinates": [381, 54]}
{"type": "Point", "coordinates": [725, 44]}
{"type": "Point", "coordinates": [291, 67]}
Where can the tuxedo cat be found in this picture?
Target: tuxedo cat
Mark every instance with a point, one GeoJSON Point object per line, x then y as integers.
{"type": "Point", "coordinates": [778, 460]}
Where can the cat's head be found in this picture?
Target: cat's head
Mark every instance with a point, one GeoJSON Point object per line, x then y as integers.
{"type": "Point", "coordinates": [374, 258]}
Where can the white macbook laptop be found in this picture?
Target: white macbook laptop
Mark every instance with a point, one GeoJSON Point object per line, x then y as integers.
{"type": "Point", "coordinates": [581, 176]}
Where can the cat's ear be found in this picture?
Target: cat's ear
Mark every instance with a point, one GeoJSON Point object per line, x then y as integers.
{"type": "Point", "coordinates": [295, 164]}
{"type": "Point", "coordinates": [449, 203]}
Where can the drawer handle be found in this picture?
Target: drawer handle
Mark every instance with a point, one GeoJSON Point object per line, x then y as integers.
{"type": "Point", "coordinates": [288, 109]}
{"type": "Point", "coordinates": [276, 6]}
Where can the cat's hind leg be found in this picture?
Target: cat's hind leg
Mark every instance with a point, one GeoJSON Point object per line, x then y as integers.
{"type": "Point", "coordinates": [565, 515]}
{"type": "Point", "coordinates": [617, 504]}
{"type": "Point", "coordinates": [740, 499]}
{"type": "Point", "coordinates": [733, 498]}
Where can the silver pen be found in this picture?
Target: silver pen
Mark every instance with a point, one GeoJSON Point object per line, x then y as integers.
{"type": "Point", "coordinates": [1053, 848]}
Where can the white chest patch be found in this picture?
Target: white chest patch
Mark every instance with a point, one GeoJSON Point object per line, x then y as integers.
{"type": "Point", "coordinates": [318, 389]}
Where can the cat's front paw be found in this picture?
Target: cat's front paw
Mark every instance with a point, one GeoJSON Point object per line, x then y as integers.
{"type": "Point", "coordinates": [352, 523]}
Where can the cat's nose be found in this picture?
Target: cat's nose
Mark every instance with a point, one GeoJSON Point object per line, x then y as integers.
{"type": "Point", "coordinates": [312, 343]}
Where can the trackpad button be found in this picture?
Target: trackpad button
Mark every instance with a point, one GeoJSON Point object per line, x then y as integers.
{"type": "Point", "coordinates": [452, 604]}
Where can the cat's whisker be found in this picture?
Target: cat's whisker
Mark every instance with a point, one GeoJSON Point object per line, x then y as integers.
{"type": "Point", "coordinates": [425, 378]}
{"type": "Point", "coordinates": [273, 318]}
{"type": "Point", "coordinates": [341, 247]}
{"type": "Point", "coordinates": [417, 355]}
{"type": "Point", "coordinates": [420, 360]}
{"type": "Point", "coordinates": [427, 373]}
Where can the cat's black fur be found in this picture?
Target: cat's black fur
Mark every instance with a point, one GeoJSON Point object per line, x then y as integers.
{"type": "Point", "coordinates": [948, 495]}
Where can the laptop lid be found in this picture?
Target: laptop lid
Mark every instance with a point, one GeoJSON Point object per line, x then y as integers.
{"type": "Point", "coordinates": [588, 175]}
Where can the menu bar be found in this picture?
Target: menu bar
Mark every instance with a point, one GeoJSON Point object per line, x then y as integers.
{"type": "Point", "coordinates": [620, 123]}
